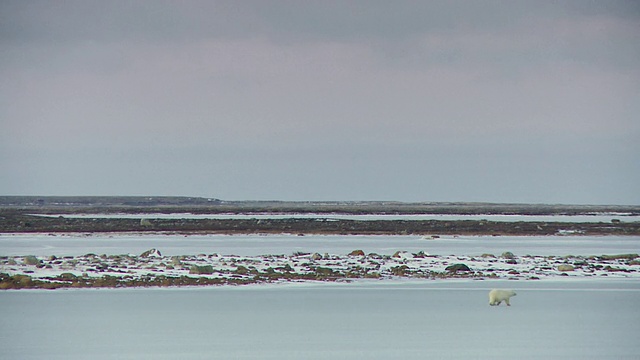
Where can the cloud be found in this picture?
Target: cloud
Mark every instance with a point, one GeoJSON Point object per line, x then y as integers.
{"type": "Point", "coordinates": [497, 89]}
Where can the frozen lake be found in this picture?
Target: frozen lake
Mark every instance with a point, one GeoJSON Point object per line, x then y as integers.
{"type": "Point", "coordinates": [594, 319]}
{"type": "Point", "coordinates": [252, 245]}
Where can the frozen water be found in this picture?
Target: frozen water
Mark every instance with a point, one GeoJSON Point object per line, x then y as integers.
{"type": "Point", "coordinates": [252, 245]}
{"type": "Point", "coordinates": [593, 319]}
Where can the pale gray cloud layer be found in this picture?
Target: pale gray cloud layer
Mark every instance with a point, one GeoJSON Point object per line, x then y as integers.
{"type": "Point", "coordinates": [506, 101]}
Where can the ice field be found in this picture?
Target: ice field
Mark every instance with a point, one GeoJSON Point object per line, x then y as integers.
{"type": "Point", "coordinates": [251, 245]}
{"type": "Point", "coordinates": [594, 319]}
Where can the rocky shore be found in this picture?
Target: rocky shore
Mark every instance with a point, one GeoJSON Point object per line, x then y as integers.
{"type": "Point", "coordinates": [153, 269]}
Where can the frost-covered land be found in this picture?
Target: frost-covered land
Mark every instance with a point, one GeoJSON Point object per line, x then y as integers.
{"type": "Point", "coordinates": [151, 268]}
{"type": "Point", "coordinates": [107, 260]}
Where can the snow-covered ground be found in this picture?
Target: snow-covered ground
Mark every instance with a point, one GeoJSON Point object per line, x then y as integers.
{"type": "Point", "coordinates": [304, 266]}
{"type": "Point", "coordinates": [252, 245]}
{"type": "Point", "coordinates": [557, 319]}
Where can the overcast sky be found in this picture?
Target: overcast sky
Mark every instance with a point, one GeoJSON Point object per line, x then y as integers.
{"type": "Point", "coordinates": [499, 101]}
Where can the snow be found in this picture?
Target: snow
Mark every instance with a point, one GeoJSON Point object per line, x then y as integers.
{"type": "Point", "coordinates": [383, 267]}
{"type": "Point", "coordinates": [252, 245]}
{"type": "Point", "coordinates": [365, 320]}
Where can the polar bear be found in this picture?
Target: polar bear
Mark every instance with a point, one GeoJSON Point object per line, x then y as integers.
{"type": "Point", "coordinates": [497, 296]}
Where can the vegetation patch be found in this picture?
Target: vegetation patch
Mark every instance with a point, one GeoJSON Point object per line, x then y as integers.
{"type": "Point", "coordinates": [204, 269]}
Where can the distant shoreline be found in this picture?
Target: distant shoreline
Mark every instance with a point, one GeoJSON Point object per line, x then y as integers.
{"type": "Point", "coordinates": [164, 204]}
{"type": "Point", "coordinates": [17, 216]}
{"type": "Point", "coordinates": [34, 224]}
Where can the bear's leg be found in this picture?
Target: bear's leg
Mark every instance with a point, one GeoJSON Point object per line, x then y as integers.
{"type": "Point", "coordinates": [507, 302]}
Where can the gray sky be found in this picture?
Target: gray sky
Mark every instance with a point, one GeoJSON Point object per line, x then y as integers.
{"type": "Point", "coordinates": [501, 101]}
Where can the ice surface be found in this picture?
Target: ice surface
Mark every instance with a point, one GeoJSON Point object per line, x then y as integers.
{"type": "Point", "coordinates": [251, 245]}
{"type": "Point", "coordinates": [365, 320]}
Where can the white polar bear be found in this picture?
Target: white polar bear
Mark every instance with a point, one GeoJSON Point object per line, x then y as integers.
{"type": "Point", "coordinates": [497, 296]}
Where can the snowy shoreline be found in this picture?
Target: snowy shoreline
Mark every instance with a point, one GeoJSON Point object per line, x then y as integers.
{"type": "Point", "coordinates": [153, 269]}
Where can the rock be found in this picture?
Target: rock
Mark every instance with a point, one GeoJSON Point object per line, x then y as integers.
{"type": "Point", "coordinates": [31, 260]}
{"type": "Point", "coordinates": [508, 255]}
{"type": "Point", "coordinates": [356, 253]}
{"type": "Point", "coordinates": [67, 276]}
{"type": "Point", "coordinates": [565, 267]}
{"type": "Point", "coordinates": [485, 255]}
{"type": "Point", "coordinates": [457, 267]}
{"type": "Point", "coordinates": [286, 267]}
{"type": "Point", "coordinates": [102, 266]}
{"type": "Point", "coordinates": [151, 253]}
{"type": "Point", "coordinates": [22, 280]}
{"type": "Point", "coordinates": [399, 270]}
{"type": "Point", "coordinates": [402, 255]}
{"type": "Point", "coordinates": [614, 269]}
